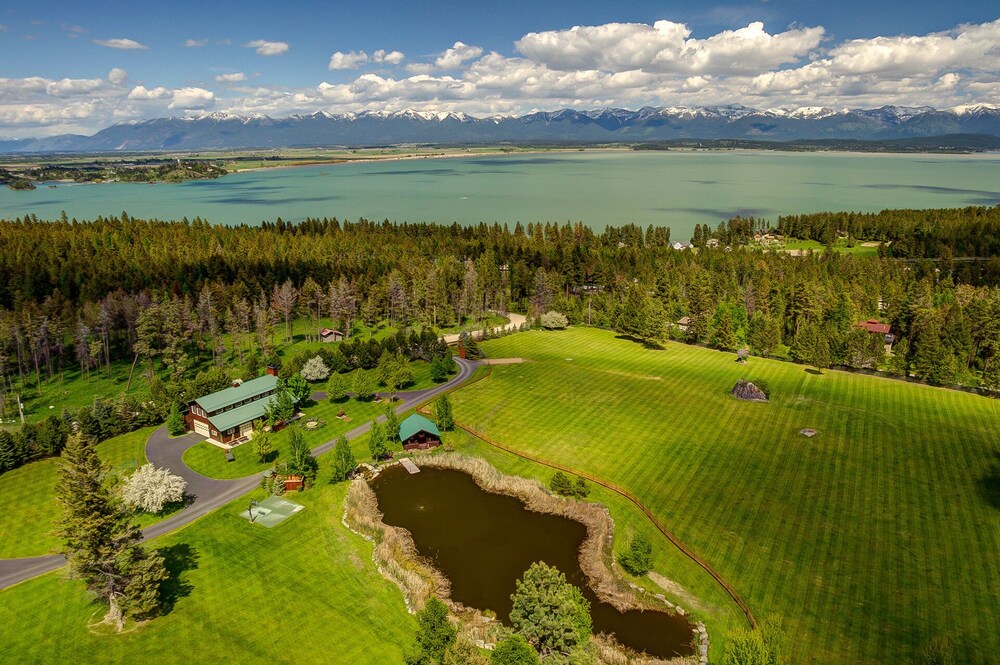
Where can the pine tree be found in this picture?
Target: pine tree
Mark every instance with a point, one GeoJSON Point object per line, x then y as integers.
{"type": "Point", "coordinates": [175, 422]}
{"type": "Point", "coordinates": [442, 414]}
{"type": "Point", "coordinates": [101, 544]}
{"type": "Point", "coordinates": [8, 452]}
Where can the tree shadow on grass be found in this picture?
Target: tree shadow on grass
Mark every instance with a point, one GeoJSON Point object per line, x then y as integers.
{"type": "Point", "coordinates": [989, 485]}
{"type": "Point", "coordinates": [649, 344]}
{"type": "Point", "coordinates": [177, 559]}
{"type": "Point", "coordinates": [817, 372]}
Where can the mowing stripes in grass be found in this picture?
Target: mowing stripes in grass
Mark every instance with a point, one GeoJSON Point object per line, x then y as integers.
{"type": "Point", "coordinates": [867, 540]}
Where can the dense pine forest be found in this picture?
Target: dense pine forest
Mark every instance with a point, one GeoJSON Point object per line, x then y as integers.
{"type": "Point", "coordinates": [123, 291]}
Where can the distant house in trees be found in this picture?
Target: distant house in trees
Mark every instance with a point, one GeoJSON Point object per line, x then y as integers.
{"type": "Point", "coordinates": [419, 432]}
{"type": "Point", "coordinates": [876, 328]}
{"type": "Point", "coordinates": [330, 335]}
{"type": "Point", "coordinates": [684, 323]}
{"type": "Point", "coordinates": [226, 417]}
{"type": "Point", "coordinates": [682, 245]}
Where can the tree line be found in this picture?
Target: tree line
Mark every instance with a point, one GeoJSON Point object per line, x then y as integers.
{"type": "Point", "coordinates": [169, 297]}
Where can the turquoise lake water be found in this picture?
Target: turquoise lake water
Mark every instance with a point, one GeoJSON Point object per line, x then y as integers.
{"type": "Point", "coordinates": [678, 189]}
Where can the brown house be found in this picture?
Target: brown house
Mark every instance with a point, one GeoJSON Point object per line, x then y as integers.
{"type": "Point", "coordinates": [227, 416]}
{"type": "Point", "coordinates": [330, 335]}
{"type": "Point", "coordinates": [876, 328]}
{"type": "Point", "coordinates": [419, 432]}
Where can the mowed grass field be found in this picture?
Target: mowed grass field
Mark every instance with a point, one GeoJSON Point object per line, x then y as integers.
{"type": "Point", "coordinates": [30, 508]}
{"type": "Point", "coordinates": [305, 591]}
{"type": "Point", "coordinates": [867, 540]}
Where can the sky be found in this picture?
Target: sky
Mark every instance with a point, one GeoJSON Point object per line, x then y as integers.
{"type": "Point", "coordinates": [72, 67]}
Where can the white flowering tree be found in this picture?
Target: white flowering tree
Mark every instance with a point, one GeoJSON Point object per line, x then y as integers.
{"type": "Point", "coordinates": [554, 320]}
{"type": "Point", "coordinates": [315, 370]}
{"type": "Point", "coordinates": [149, 489]}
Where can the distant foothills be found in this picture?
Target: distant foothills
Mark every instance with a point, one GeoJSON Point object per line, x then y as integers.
{"type": "Point", "coordinates": [223, 131]}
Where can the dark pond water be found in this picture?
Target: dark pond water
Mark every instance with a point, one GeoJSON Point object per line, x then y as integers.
{"type": "Point", "coordinates": [484, 542]}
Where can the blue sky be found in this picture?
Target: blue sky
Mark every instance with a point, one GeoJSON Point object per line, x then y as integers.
{"type": "Point", "coordinates": [80, 66]}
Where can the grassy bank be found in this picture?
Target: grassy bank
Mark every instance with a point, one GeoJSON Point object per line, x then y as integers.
{"type": "Point", "coordinates": [28, 492]}
{"type": "Point", "coordinates": [305, 591]}
{"type": "Point", "coordinates": [867, 540]}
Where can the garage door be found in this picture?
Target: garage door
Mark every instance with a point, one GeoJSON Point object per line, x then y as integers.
{"type": "Point", "coordinates": [201, 428]}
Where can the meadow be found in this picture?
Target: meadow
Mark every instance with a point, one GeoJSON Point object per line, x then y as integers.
{"type": "Point", "coordinates": [30, 510]}
{"type": "Point", "coordinates": [866, 541]}
{"type": "Point", "coordinates": [305, 591]}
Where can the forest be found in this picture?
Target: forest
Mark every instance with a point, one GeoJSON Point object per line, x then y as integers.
{"type": "Point", "coordinates": [119, 292]}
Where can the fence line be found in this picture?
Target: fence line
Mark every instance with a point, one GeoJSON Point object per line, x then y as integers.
{"type": "Point", "coordinates": [687, 551]}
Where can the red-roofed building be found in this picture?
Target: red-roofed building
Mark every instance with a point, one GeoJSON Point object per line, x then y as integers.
{"type": "Point", "coordinates": [876, 328]}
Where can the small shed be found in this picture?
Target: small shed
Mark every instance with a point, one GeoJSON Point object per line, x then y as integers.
{"type": "Point", "coordinates": [330, 335]}
{"type": "Point", "coordinates": [684, 323]}
{"type": "Point", "coordinates": [419, 432]}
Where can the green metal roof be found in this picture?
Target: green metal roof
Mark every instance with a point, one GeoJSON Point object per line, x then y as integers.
{"type": "Point", "coordinates": [245, 390]}
{"type": "Point", "coordinates": [416, 423]}
{"type": "Point", "coordinates": [240, 415]}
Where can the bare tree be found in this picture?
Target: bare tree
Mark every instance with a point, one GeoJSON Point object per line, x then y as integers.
{"type": "Point", "coordinates": [343, 303]}
{"type": "Point", "coordinates": [312, 300]}
{"type": "Point", "coordinates": [283, 300]}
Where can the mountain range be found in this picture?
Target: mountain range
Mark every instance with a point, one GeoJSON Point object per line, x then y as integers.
{"type": "Point", "coordinates": [223, 130]}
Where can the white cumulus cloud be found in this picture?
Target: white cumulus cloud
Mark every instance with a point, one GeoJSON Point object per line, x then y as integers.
{"type": "Point", "coordinates": [388, 57]}
{"type": "Point", "coordinates": [191, 98]}
{"type": "Point", "coordinates": [235, 77]}
{"type": "Point", "coordinates": [123, 44]}
{"type": "Point", "coordinates": [195, 43]}
{"type": "Point", "coordinates": [264, 47]}
{"type": "Point", "coordinates": [349, 60]}
{"type": "Point", "coordinates": [141, 93]}
{"type": "Point", "coordinates": [450, 59]}
{"type": "Point", "coordinates": [117, 76]}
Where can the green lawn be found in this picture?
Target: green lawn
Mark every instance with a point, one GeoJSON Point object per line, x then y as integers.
{"type": "Point", "coordinates": [859, 248]}
{"type": "Point", "coordinates": [305, 591]}
{"type": "Point", "coordinates": [867, 540]}
{"type": "Point", "coordinates": [30, 509]}
{"type": "Point", "coordinates": [210, 460]}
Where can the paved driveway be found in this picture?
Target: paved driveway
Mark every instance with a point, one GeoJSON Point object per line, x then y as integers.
{"type": "Point", "coordinates": [208, 493]}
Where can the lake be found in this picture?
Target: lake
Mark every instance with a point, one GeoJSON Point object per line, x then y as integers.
{"type": "Point", "coordinates": [598, 188]}
{"type": "Point", "coordinates": [484, 542]}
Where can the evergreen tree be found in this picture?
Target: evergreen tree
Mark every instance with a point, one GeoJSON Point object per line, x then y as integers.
{"type": "Point", "coordinates": [724, 335]}
{"type": "Point", "coordinates": [344, 461]}
{"type": "Point", "coordinates": [551, 614]}
{"type": "Point", "coordinates": [639, 558]}
{"type": "Point", "coordinates": [513, 650]}
{"type": "Point", "coordinates": [442, 414]}
{"type": "Point", "coordinates": [438, 371]}
{"type": "Point", "coordinates": [101, 544]}
{"type": "Point", "coordinates": [434, 634]}
{"type": "Point", "coordinates": [175, 421]}
{"type": "Point", "coordinates": [8, 452]}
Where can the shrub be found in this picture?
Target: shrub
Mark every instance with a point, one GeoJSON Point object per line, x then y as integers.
{"type": "Point", "coordinates": [513, 650]}
{"type": "Point", "coordinates": [554, 320]}
{"type": "Point", "coordinates": [639, 559]}
{"type": "Point", "coordinates": [149, 489]}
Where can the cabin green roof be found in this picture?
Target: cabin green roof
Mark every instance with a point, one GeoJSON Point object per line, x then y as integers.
{"type": "Point", "coordinates": [416, 423]}
{"type": "Point", "coordinates": [229, 396]}
{"type": "Point", "coordinates": [243, 414]}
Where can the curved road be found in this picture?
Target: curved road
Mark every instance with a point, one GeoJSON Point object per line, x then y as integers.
{"type": "Point", "coordinates": [209, 493]}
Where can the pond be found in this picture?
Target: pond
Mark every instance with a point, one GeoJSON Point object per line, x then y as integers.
{"type": "Point", "coordinates": [484, 542]}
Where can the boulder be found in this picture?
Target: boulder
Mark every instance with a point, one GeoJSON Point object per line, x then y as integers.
{"type": "Point", "coordinates": [748, 392]}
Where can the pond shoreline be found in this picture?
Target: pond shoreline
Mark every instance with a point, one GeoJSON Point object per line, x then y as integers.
{"type": "Point", "coordinates": [397, 557]}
